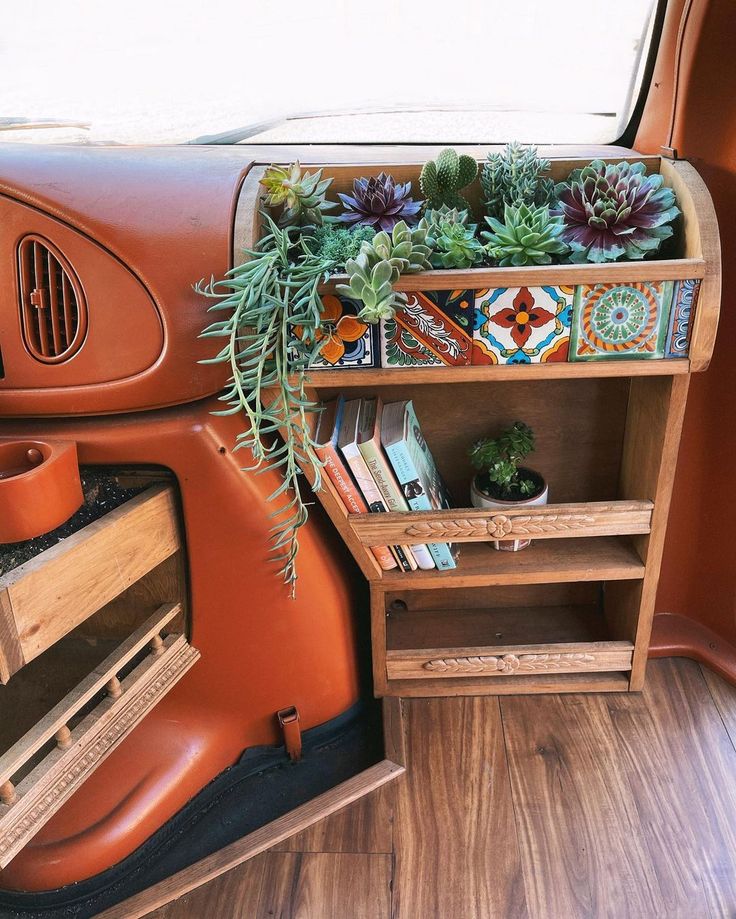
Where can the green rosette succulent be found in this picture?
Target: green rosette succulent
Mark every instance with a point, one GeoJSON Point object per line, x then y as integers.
{"type": "Point", "coordinates": [455, 246]}
{"type": "Point", "coordinates": [441, 180]}
{"type": "Point", "coordinates": [615, 210]}
{"type": "Point", "coordinates": [527, 236]}
{"type": "Point", "coordinates": [515, 176]}
{"type": "Point", "coordinates": [302, 195]}
{"type": "Point", "coordinates": [405, 248]}
{"type": "Point", "coordinates": [372, 283]}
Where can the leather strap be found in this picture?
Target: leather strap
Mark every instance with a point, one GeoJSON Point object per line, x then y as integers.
{"type": "Point", "coordinates": [289, 722]}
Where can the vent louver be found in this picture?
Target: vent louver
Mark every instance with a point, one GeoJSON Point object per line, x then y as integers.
{"type": "Point", "coordinates": [52, 303]}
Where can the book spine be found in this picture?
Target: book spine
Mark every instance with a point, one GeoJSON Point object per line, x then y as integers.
{"type": "Point", "coordinates": [351, 498]}
{"type": "Point", "coordinates": [407, 472]}
{"type": "Point", "coordinates": [395, 501]}
{"type": "Point", "coordinates": [371, 494]}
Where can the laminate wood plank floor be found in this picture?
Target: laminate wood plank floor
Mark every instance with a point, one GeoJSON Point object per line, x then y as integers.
{"type": "Point", "coordinates": [537, 807]}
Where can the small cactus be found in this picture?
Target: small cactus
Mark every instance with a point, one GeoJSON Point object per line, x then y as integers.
{"type": "Point", "coordinates": [441, 180]}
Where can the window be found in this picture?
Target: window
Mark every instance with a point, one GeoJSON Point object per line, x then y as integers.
{"type": "Point", "coordinates": [479, 71]}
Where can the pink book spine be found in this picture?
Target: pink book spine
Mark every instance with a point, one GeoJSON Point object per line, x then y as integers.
{"type": "Point", "coordinates": [351, 497]}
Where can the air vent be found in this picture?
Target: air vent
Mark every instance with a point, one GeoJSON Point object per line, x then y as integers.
{"type": "Point", "coordinates": [52, 304]}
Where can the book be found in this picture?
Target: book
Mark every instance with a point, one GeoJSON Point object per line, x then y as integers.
{"type": "Point", "coordinates": [334, 467]}
{"type": "Point", "coordinates": [369, 444]}
{"type": "Point", "coordinates": [347, 441]}
{"type": "Point", "coordinates": [415, 469]}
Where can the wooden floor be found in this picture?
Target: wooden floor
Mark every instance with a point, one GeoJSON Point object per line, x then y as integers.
{"type": "Point", "coordinates": [551, 807]}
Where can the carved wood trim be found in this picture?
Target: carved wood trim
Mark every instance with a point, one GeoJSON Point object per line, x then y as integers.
{"type": "Point", "coordinates": [478, 525]}
{"type": "Point", "coordinates": [517, 662]}
{"type": "Point", "coordinates": [43, 791]}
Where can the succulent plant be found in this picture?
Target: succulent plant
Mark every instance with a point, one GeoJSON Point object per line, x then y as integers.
{"type": "Point", "coordinates": [433, 217]}
{"type": "Point", "coordinates": [442, 179]}
{"type": "Point", "coordinates": [455, 246]}
{"type": "Point", "coordinates": [302, 194]}
{"type": "Point", "coordinates": [379, 202]}
{"type": "Point", "coordinates": [515, 176]}
{"type": "Point", "coordinates": [614, 210]}
{"type": "Point", "coordinates": [405, 248]}
{"type": "Point", "coordinates": [528, 236]}
{"type": "Point", "coordinates": [339, 243]}
{"type": "Point", "coordinates": [372, 283]}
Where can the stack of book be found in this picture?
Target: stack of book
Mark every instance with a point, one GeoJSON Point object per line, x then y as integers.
{"type": "Point", "coordinates": [377, 459]}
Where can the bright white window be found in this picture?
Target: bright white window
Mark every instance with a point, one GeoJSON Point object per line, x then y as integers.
{"type": "Point", "coordinates": [473, 71]}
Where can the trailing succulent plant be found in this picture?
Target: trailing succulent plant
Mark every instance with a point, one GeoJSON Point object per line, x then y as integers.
{"type": "Point", "coordinates": [380, 262]}
{"type": "Point", "coordinates": [380, 202]}
{"type": "Point", "coordinates": [515, 176]}
{"type": "Point", "coordinates": [339, 243]}
{"type": "Point", "coordinates": [441, 180]}
{"type": "Point", "coordinates": [527, 236]}
{"type": "Point", "coordinates": [303, 195]}
{"type": "Point", "coordinates": [613, 211]}
{"type": "Point", "coordinates": [271, 329]}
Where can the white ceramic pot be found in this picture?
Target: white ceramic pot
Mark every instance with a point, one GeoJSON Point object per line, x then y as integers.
{"type": "Point", "coordinates": [481, 499]}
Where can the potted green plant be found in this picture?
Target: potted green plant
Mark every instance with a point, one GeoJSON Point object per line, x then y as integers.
{"type": "Point", "coordinates": [501, 483]}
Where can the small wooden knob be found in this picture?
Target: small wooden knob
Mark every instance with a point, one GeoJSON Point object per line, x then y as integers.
{"type": "Point", "coordinates": [114, 689]}
{"type": "Point", "coordinates": [7, 793]}
{"type": "Point", "coordinates": [34, 456]}
{"type": "Point", "coordinates": [64, 738]}
{"type": "Point", "coordinates": [157, 646]}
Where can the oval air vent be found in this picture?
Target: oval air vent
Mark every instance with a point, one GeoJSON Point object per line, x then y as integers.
{"type": "Point", "coordinates": [52, 304]}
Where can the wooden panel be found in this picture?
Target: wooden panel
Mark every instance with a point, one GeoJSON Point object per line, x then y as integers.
{"type": "Point", "coordinates": [514, 660]}
{"type": "Point", "coordinates": [346, 378]}
{"type": "Point", "coordinates": [537, 275]}
{"type": "Point", "coordinates": [45, 789]}
{"type": "Point", "coordinates": [254, 843]}
{"type": "Point", "coordinates": [578, 858]}
{"type": "Point", "coordinates": [455, 627]}
{"type": "Point", "coordinates": [455, 837]}
{"type": "Point", "coordinates": [701, 236]}
{"type": "Point", "coordinates": [651, 444]}
{"type": "Point", "coordinates": [552, 521]}
{"type": "Point", "coordinates": [510, 685]}
{"type": "Point", "coordinates": [680, 765]}
{"type": "Point", "coordinates": [58, 589]}
{"type": "Point", "coordinates": [326, 886]}
{"type": "Point", "coordinates": [544, 562]}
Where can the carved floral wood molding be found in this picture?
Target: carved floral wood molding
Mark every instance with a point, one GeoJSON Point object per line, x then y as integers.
{"type": "Point", "coordinates": [499, 526]}
{"type": "Point", "coordinates": [510, 663]}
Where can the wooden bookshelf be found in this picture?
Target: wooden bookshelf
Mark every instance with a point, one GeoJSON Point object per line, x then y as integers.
{"type": "Point", "coordinates": [573, 612]}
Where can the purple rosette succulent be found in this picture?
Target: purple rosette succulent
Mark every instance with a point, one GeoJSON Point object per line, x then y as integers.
{"type": "Point", "coordinates": [379, 202]}
{"type": "Point", "coordinates": [614, 211]}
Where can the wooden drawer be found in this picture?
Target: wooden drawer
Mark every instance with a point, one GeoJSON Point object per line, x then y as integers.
{"type": "Point", "coordinates": [517, 660]}
{"type": "Point", "coordinates": [47, 597]}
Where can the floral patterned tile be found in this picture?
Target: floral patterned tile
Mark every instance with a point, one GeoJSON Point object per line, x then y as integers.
{"type": "Point", "coordinates": [684, 303]}
{"type": "Point", "coordinates": [434, 329]}
{"type": "Point", "coordinates": [620, 321]}
{"type": "Point", "coordinates": [522, 325]}
{"type": "Point", "coordinates": [346, 340]}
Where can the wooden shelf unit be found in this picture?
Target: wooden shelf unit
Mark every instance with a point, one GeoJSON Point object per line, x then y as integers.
{"type": "Point", "coordinates": [607, 440]}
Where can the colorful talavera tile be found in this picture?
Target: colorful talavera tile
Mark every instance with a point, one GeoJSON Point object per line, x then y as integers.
{"type": "Point", "coordinates": [684, 302]}
{"type": "Point", "coordinates": [346, 341]}
{"type": "Point", "coordinates": [522, 325]}
{"type": "Point", "coordinates": [620, 321]}
{"type": "Point", "coordinates": [434, 329]}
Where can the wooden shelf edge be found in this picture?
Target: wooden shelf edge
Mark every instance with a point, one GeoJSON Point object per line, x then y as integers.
{"type": "Point", "coordinates": [256, 842]}
{"type": "Point", "coordinates": [504, 686]}
{"type": "Point", "coordinates": [596, 369]}
{"type": "Point", "coordinates": [472, 524]}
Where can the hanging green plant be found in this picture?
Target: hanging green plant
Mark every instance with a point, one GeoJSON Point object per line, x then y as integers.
{"type": "Point", "coordinates": [271, 337]}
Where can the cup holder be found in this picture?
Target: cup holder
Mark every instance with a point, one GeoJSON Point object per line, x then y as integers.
{"type": "Point", "coordinates": [39, 487]}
